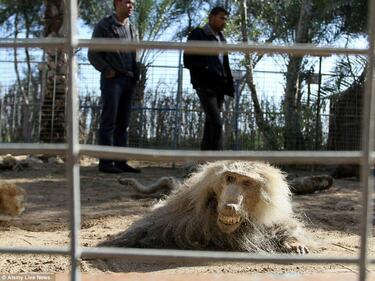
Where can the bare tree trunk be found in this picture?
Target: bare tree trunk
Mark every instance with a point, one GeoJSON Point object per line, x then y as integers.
{"type": "Point", "coordinates": [318, 121]}
{"type": "Point", "coordinates": [53, 109]}
{"type": "Point", "coordinates": [265, 129]}
{"type": "Point", "coordinates": [26, 105]}
{"type": "Point", "coordinates": [19, 88]}
{"type": "Point", "coordinates": [293, 138]}
{"type": "Point", "coordinates": [95, 118]}
{"type": "Point", "coordinates": [83, 117]}
{"type": "Point", "coordinates": [27, 112]}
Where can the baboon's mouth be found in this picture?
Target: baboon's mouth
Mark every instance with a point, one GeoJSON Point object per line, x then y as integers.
{"type": "Point", "coordinates": [229, 220]}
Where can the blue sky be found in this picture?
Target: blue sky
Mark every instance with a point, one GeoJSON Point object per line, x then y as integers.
{"type": "Point", "coordinates": [269, 81]}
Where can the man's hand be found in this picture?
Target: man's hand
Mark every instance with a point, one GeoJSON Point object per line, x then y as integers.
{"type": "Point", "coordinates": [110, 73]}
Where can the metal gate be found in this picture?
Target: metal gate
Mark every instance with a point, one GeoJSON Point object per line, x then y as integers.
{"type": "Point", "coordinates": [73, 150]}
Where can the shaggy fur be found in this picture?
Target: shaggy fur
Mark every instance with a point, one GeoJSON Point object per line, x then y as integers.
{"type": "Point", "coordinates": [225, 205]}
{"type": "Point", "coordinates": [12, 199]}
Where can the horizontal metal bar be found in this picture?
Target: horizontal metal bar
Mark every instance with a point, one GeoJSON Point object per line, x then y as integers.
{"type": "Point", "coordinates": [163, 255]}
{"type": "Point", "coordinates": [285, 157]}
{"type": "Point", "coordinates": [197, 47]}
{"type": "Point", "coordinates": [32, 148]}
{"type": "Point", "coordinates": [50, 42]}
{"type": "Point", "coordinates": [36, 250]}
{"type": "Point", "coordinates": [282, 157]}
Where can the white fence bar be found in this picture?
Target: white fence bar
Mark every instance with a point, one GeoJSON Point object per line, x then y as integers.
{"type": "Point", "coordinates": [102, 44]}
{"type": "Point", "coordinates": [36, 250]}
{"type": "Point", "coordinates": [213, 48]}
{"type": "Point", "coordinates": [159, 155]}
{"type": "Point", "coordinates": [72, 120]}
{"type": "Point", "coordinates": [281, 157]}
{"type": "Point", "coordinates": [164, 255]}
{"type": "Point", "coordinates": [73, 150]}
{"type": "Point", "coordinates": [32, 148]}
{"type": "Point", "coordinates": [367, 146]}
{"type": "Point", "coordinates": [45, 43]}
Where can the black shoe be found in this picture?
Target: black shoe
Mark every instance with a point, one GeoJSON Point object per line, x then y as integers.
{"type": "Point", "coordinates": [110, 169]}
{"type": "Point", "coordinates": [124, 167]}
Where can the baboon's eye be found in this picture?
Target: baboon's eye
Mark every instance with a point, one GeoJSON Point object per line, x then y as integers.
{"type": "Point", "coordinates": [211, 201]}
{"type": "Point", "coordinates": [247, 183]}
{"type": "Point", "coordinates": [230, 179]}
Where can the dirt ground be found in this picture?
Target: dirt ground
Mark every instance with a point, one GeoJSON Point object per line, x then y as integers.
{"type": "Point", "coordinates": [331, 217]}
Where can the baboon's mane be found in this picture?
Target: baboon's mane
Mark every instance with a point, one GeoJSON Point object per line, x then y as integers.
{"type": "Point", "coordinates": [187, 218]}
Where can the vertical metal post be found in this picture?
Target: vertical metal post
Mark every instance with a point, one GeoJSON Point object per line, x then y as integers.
{"type": "Point", "coordinates": [1, 118]}
{"type": "Point", "coordinates": [73, 139]}
{"type": "Point", "coordinates": [367, 146]}
{"type": "Point", "coordinates": [178, 101]}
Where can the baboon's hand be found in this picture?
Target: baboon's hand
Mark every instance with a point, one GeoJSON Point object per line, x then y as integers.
{"type": "Point", "coordinates": [295, 247]}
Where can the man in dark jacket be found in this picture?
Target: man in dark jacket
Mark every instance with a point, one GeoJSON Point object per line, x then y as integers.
{"type": "Point", "coordinates": [119, 74]}
{"type": "Point", "coordinates": [211, 78]}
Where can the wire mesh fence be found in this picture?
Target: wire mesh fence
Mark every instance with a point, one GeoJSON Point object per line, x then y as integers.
{"type": "Point", "coordinates": [168, 114]}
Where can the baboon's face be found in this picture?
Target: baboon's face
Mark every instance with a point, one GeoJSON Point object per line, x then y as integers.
{"type": "Point", "coordinates": [236, 200]}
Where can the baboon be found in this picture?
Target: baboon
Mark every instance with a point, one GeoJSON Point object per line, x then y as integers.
{"type": "Point", "coordinates": [12, 199]}
{"type": "Point", "coordinates": [224, 205]}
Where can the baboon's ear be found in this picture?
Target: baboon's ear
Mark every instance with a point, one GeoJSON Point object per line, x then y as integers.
{"type": "Point", "coordinates": [264, 196]}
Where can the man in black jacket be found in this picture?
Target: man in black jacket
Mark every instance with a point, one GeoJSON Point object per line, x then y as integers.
{"type": "Point", "coordinates": [119, 74]}
{"type": "Point", "coordinates": [211, 77]}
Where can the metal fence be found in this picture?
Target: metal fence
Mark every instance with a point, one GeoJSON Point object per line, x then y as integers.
{"type": "Point", "coordinates": [169, 96]}
{"type": "Point", "coordinates": [72, 149]}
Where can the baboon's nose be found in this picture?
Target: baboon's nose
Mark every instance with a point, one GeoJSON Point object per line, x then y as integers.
{"type": "Point", "coordinates": [231, 207]}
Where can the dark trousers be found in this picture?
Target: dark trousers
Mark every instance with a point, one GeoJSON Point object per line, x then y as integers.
{"type": "Point", "coordinates": [116, 97]}
{"type": "Point", "coordinates": [211, 102]}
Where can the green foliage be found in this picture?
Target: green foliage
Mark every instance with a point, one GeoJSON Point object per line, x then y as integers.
{"type": "Point", "coordinates": [152, 18]}
{"type": "Point", "coordinates": [349, 70]}
{"type": "Point", "coordinates": [273, 18]}
{"type": "Point", "coordinates": [26, 14]}
{"type": "Point", "coordinates": [143, 12]}
{"type": "Point", "coordinates": [351, 15]}
{"type": "Point", "coordinates": [276, 21]}
{"type": "Point", "coordinates": [279, 19]}
{"type": "Point", "coordinates": [92, 11]}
